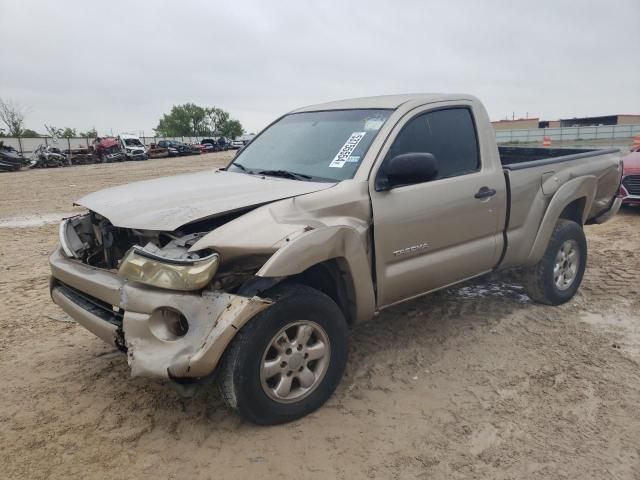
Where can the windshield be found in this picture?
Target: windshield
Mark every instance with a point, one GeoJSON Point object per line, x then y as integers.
{"type": "Point", "coordinates": [132, 142]}
{"type": "Point", "coordinates": [322, 145]}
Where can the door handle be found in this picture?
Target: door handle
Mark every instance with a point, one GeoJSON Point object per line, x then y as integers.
{"type": "Point", "coordinates": [485, 192]}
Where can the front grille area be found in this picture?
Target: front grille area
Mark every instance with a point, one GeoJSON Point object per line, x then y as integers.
{"type": "Point", "coordinates": [632, 184]}
{"type": "Point", "coordinates": [91, 304]}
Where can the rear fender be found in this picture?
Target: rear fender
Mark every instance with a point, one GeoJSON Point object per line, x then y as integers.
{"type": "Point", "coordinates": [581, 187]}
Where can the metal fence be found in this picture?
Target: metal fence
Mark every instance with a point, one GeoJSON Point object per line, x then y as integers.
{"type": "Point", "coordinates": [536, 135]}
{"type": "Point", "coordinates": [26, 146]}
{"type": "Point", "coordinates": [568, 134]}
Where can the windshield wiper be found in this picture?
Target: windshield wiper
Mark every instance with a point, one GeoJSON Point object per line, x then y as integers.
{"type": "Point", "coordinates": [285, 174]}
{"type": "Point", "coordinates": [240, 166]}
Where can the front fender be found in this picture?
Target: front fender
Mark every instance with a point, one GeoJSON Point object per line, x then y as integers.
{"type": "Point", "coordinates": [320, 245]}
{"type": "Point", "coordinates": [581, 187]}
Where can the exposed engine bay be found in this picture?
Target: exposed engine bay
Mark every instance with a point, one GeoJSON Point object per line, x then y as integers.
{"type": "Point", "coordinates": [93, 240]}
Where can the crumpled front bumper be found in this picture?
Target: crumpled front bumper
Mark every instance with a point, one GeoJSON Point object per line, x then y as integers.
{"type": "Point", "coordinates": [128, 315]}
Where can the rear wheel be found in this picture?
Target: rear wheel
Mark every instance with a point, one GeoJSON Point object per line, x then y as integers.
{"type": "Point", "coordinates": [288, 360]}
{"type": "Point", "coordinates": [556, 277]}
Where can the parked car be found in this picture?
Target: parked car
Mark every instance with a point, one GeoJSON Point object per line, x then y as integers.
{"type": "Point", "coordinates": [332, 214]}
{"type": "Point", "coordinates": [108, 149]}
{"type": "Point", "coordinates": [217, 144]}
{"type": "Point", "coordinates": [236, 144]}
{"type": "Point", "coordinates": [133, 146]}
{"type": "Point", "coordinates": [246, 139]}
{"type": "Point", "coordinates": [211, 143]}
{"type": "Point", "coordinates": [209, 148]}
{"type": "Point", "coordinates": [156, 151]}
{"type": "Point", "coordinates": [196, 148]}
{"type": "Point", "coordinates": [10, 159]}
{"type": "Point", "coordinates": [171, 147]}
{"type": "Point", "coordinates": [80, 156]}
{"type": "Point", "coordinates": [630, 189]}
{"type": "Point", "coordinates": [48, 156]}
{"type": "Point", "coordinates": [224, 143]}
{"type": "Point", "coordinates": [175, 148]}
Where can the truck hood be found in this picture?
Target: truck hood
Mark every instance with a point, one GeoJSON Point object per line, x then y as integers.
{"type": "Point", "coordinates": [166, 204]}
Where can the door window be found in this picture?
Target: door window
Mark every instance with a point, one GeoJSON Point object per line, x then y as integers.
{"type": "Point", "coordinates": [448, 134]}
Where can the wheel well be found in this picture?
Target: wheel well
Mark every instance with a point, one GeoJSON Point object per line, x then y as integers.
{"type": "Point", "coordinates": [574, 210]}
{"type": "Point", "coordinates": [333, 279]}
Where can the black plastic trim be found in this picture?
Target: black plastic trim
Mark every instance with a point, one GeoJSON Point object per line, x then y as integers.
{"type": "Point", "coordinates": [93, 305]}
{"type": "Point", "coordinates": [564, 158]}
{"type": "Point", "coordinates": [505, 237]}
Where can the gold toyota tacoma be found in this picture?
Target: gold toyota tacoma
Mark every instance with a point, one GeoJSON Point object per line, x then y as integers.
{"type": "Point", "coordinates": [253, 273]}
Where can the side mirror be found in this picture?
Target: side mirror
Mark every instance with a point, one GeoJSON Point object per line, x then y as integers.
{"type": "Point", "coordinates": [407, 169]}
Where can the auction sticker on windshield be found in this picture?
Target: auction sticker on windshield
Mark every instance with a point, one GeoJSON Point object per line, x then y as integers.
{"type": "Point", "coordinates": [347, 149]}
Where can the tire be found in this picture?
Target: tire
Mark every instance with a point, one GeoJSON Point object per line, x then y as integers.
{"type": "Point", "coordinates": [244, 380]}
{"type": "Point", "coordinates": [542, 283]}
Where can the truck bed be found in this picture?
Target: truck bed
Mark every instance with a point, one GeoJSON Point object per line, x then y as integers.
{"type": "Point", "coordinates": [534, 175]}
{"type": "Point", "coordinates": [515, 158]}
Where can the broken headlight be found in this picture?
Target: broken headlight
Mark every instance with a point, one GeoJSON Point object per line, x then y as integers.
{"type": "Point", "coordinates": [75, 235]}
{"type": "Point", "coordinates": [142, 266]}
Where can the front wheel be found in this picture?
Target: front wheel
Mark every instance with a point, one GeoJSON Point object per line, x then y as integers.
{"type": "Point", "coordinates": [556, 277]}
{"type": "Point", "coordinates": [288, 360]}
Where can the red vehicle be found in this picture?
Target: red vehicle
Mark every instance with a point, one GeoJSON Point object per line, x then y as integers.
{"type": "Point", "coordinates": [630, 188]}
{"type": "Point", "coordinates": [199, 148]}
{"type": "Point", "coordinates": [108, 149]}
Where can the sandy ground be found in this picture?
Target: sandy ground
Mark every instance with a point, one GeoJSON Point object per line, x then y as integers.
{"type": "Point", "coordinates": [472, 382]}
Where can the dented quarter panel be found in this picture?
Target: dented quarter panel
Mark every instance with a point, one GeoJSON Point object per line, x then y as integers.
{"type": "Point", "coordinates": [304, 231]}
{"type": "Point", "coordinates": [269, 227]}
{"type": "Point", "coordinates": [326, 243]}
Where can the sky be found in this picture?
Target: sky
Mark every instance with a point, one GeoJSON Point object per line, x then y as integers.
{"type": "Point", "coordinates": [119, 65]}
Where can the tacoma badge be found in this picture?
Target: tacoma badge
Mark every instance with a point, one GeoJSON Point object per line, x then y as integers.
{"type": "Point", "coordinates": [412, 249]}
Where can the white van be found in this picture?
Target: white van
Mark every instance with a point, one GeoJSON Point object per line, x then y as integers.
{"type": "Point", "coordinates": [133, 146]}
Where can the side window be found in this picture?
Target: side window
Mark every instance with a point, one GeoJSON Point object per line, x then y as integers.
{"type": "Point", "coordinates": [449, 135]}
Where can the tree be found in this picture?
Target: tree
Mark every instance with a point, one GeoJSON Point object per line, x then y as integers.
{"type": "Point", "coordinates": [69, 132]}
{"type": "Point", "coordinates": [183, 120]}
{"type": "Point", "coordinates": [217, 118]}
{"type": "Point", "coordinates": [12, 115]}
{"type": "Point", "coordinates": [89, 133]}
{"type": "Point", "coordinates": [192, 120]}
{"type": "Point", "coordinates": [27, 132]}
{"type": "Point", "coordinates": [53, 132]}
{"type": "Point", "coordinates": [231, 129]}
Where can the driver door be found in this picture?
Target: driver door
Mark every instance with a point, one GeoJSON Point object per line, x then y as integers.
{"type": "Point", "coordinates": [432, 234]}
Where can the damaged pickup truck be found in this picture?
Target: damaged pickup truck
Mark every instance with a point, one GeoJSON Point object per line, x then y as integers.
{"type": "Point", "coordinates": [334, 212]}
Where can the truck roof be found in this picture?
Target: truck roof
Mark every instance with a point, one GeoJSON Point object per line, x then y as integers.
{"type": "Point", "coordinates": [385, 101]}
